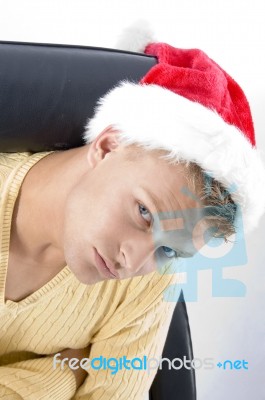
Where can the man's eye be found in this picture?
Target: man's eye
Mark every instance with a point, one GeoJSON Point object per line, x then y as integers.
{"type": "Point", "coordinates": [169, 252]}
{"type": "Point", "coordinates": [145, 213]}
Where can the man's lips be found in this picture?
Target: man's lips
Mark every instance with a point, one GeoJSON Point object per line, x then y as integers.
{"type": "Point", "coordinates": [104, 266]}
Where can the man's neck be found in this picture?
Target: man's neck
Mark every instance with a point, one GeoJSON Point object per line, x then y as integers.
{"type": "Point", "coordinates": [37, 222]}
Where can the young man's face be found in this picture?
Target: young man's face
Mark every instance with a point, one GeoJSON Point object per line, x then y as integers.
{"type": "Point", "coordinates": [109, 214]}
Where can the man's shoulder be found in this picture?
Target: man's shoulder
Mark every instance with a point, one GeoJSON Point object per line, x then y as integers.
{"type": "Point", "coordinates": [11, 162]}
{"type": "Point", "coordinates": [8, 162]}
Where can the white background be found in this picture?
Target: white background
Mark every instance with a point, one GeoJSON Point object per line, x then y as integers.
{"type": "Point", "coordinates": [233, 34]}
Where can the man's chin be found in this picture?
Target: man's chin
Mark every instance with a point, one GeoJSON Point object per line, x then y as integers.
{"type": "Point", "coordinates": [87, 277]}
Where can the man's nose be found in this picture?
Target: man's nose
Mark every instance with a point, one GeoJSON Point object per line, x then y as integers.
{"type": "Point", "coordinates": [138, 253]}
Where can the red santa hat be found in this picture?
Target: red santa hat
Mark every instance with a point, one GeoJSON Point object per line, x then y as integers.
{"type": "Point", "coordinates": [190, 107]}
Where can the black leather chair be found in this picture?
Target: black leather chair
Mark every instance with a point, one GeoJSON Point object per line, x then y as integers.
{"type": "Point", "coordinates": [47, 92]}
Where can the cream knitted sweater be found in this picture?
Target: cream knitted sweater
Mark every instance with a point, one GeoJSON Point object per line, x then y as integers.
{"type": "Point", "coordinates": [118, 318]}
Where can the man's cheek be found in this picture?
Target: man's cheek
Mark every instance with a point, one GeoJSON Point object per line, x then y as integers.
{"type": "Point", "coordinates": [149, 266]}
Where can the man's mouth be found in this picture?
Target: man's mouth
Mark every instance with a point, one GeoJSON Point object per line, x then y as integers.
{"type": "Point", "coordinates": [103, 267]}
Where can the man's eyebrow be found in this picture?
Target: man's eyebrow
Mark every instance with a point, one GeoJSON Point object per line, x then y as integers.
{"type": "Point", "coordinates": [154, 199]}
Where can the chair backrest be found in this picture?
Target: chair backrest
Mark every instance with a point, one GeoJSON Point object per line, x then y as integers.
{"type": "Point", "coordinates": [47, 92]}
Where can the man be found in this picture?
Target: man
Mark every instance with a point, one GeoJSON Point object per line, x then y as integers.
{"type": "Point", "coordinates": [89, 235]}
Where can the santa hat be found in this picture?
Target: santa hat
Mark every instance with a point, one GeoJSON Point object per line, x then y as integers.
{"type": "Point", "coordinates": [190, 107]}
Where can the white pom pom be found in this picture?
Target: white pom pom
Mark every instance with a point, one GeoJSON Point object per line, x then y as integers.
{"type": "Point", "coordinates": [136, 37]}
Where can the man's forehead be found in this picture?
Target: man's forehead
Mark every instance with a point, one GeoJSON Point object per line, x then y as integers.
{"type": "Point", "coordinates": [178, 229]}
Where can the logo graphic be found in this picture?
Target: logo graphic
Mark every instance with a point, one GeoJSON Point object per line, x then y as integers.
{"type": "Point", "coordinates": [145, 364]}
{"type": "Point", "coordinates": [215, 254]}
{"type": "Point", "coordinates": [231, 365]}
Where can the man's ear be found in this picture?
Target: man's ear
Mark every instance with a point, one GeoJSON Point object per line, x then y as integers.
{"type": "Point", "coordinates": [105, 142]}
